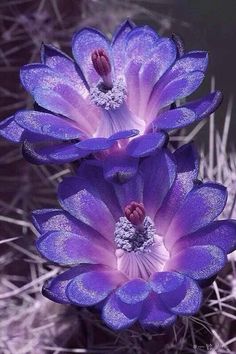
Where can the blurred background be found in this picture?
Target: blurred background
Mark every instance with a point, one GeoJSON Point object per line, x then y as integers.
{"type": "Point", "coordinates": [32, 324]}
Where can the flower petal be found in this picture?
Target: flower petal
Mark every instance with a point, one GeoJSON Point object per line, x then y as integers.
{"type": "Point", "coordinates": [90, 177]}
{"type": "Point", "coordinates": [221, 233]}
{"type": "Point", "coordinates": [161, 174]}
{"type": "Point", "coordinates": [68, 248]}
{"type": "Point", "coordinates": [46, 153]}
{"type": "Point", "coordinates": [55, 289]}
{"type": "Point", "coordinates": [47, 124]}
{"type": "Point", "coordinates": [118, 45]}
{"type": "Point", "coordinates": [205, 105]}
{"type": "Point", "coordinates": [197, 262]}
{"type": "Point", "coordinates": [154, 314]}
{"type": "Point", "coordinates": [201, 206]}
{"type": "Point", "coordinates": [187, 171]}
{"type": "Point", "coordinates": [61, 63]}
{"type": "Point", "coordinates": [125, 134]}
{"type": "Point", "coordinates": [90, 288]}
{"type": "Point", "coordinates": [134, 291]}
{"type": "Point", "coordinates": [84, 43]}
{"type": "Point", "coordinates": [10, 130]}
{"type": "Point", "coordinates": [174, 119]}
{"type": "Point", "coordinates": [113, 316]}
{"type": "Point", "coordinates": [130, 191]}
{"type": "Point", "coordinates": [162, 57]}
{"type": "Point", "coordinates": [177, 88]}
{"type": "Point", "coordinates": [180, 294]}
{"type": "Point", "coordinates": [88, 209]}
{"type": "Point", "coordinates": [140, 43]}
{"type": "Point", "coordinates": [146, 144]}
{"type": "Point", "coordinates": [95, 144]}
{"type": "Point", "coordinates": [119, 168]}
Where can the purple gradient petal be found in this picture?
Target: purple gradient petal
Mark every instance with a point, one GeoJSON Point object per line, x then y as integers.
{"type": "Point", "coordinates": [95, 144]}
{"type": "Point", "coordinates": [55, 289]}
{"type": "Point", "coordinates": [181, 86]}
{"type": "Point", "coordinates": [131, 191]}
{"type": "Point", "coordinates": [132, 84]}
{"type": "Point", "coordinates": [84, 42]}
{"type": "Point", "coordinates": [118, 45]}
{"type": "Point", "coordinates": [146, 144]}
{"type": "Point", "coordinates": [47, 124]}
{"type": "Point", "coordinates": [220, 233]}
{"type": "Point", "coordinates": [32, 74]}
{"type": "Point", "coordinates": [88, 209]}
{"type": "Point", "coordinates": [201, 206]}
{"type": "Point", "coordinates": [161, 174]}
{"type": "Point", "coordinates": [62, 64]}
{"type": "Point", "coordinates": [10, 130]}
{"type": "Point", "coordinates": [46, 220]}
{"type": "Point", "coordinates": [68, 248]}
{"type": "Point", "coordinates": [154, 314]}
{"type": "Point", "coordinates": [113, 316]}
{"type": "Point", "coordinates": [90, 177]}
{"type": "Point", "coordinates": [205, 105]}
{"type": "Point", "coordinates": [140, 43]}
{"type": "Point", "coordinates": [119, 168]}
{"type": "Point", "coordinates": [90, 288]}
{"type": "Point", "coordinates": [180, 294]}
{"type": "Point", "coordinates": [57, 154]}
{"type": "Point", "coordinates": [174, 119]}
{"type": "Point", "coordinates": [187, 171]}
{"type": "Point", "coordinates": [125, 134]}
{"type": "Point", "coordinates": [134, 291]}
{"type": "Point", "coordinates": [197, 262]}
{"type": "Point", "coordinates": [162, 57]}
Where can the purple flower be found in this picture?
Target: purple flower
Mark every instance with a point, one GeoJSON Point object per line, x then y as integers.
{"type": "Point", "coordinates": [141, 250]}
{"type": "Point", "coordinates": [112, 91]}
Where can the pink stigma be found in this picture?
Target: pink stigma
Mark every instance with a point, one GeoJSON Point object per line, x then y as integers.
{"type": "Point", "coordinates": [102, 66]}
{"type": "Point", "coordinates": [135, 213]}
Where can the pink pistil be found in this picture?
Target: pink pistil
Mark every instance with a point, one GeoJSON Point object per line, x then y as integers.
{"type": "Point", "coordinates": [135, 213]}
{"type": "Point", "coordinates": [102, 66]}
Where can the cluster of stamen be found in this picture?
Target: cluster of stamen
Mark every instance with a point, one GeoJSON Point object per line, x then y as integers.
{"type": "Point", "coordinates": [134, 231]}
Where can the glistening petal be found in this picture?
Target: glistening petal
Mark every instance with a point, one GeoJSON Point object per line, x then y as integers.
{"type": "Point", "coordinates": [197, 262]}
{"type": "Point", "coordinates": [93, 287]}
{"type": "Point", "coordinates": [201, 206]}
{"type": "Point", "coordinates": [88, 209]}
{"type": "Point", "coordinates": [174, 119]}
{"type": "Point", "coordinates": [187, 170]}
{"type": "Point", "coordinates": [146, 144]}
{"type": "Point", "coordinates": [69, 249]}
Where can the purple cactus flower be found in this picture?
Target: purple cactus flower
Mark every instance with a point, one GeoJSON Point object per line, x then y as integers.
{"type": "Point", "coordinates": [141, 250]}
{"type": "Point", "coordinates": [116, 96]}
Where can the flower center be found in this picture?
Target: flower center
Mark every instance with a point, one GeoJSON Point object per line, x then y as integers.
{"type": "Point", "coordinates": [108, 93]}
{"type": "Point", "coordinates": [134, 231]}
{"type": "Point", "coordinates": [140, 250]}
